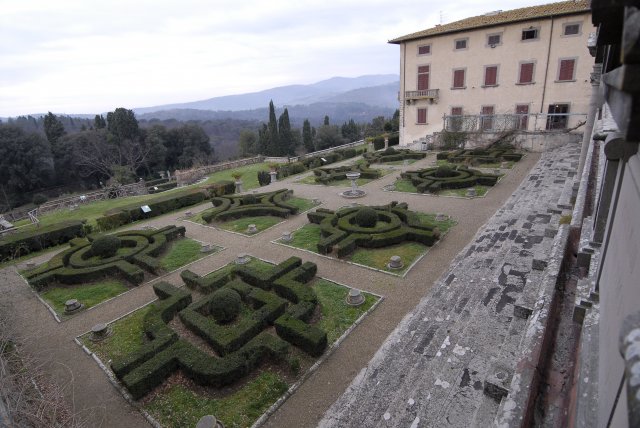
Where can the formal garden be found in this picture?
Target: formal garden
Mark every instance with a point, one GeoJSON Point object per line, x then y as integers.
{"type": "Point", "coordinates": [230, 343]}
{"type": "Point", "coordinates": [337, 176]}
{"type": "Point", "coordinates": [97, 268]}
{"type": "Point", "coordinates": [393, 156]}
{"type": "Point", "coordinates": [389, 238]}
{"type": "Point", "coordinates": [446, 181]}
{"type": "Point", "coordinates": [252, 213]}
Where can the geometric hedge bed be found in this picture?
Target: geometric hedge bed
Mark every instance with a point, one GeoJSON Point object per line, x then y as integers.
{"type": "Point", "coordinates": [263, 204]}
{"type": "Point", "coordinates": [393, 155]}
{"type": "Point", "coordinates": [433, 180]}
{"type": "Point", "coordinates": [237, 308]}
{"type": "Point", "coordinates": [327, 175]}
{"type": "Point", "coordinates": [344, 230]}
{"type": "Point", "coordinates": [490, 155]}
{"type": "Point", "coordinates": [126, 254]}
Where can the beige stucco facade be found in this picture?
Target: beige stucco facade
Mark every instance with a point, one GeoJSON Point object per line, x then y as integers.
{"type": "Point", "coordinates": [545, 52]}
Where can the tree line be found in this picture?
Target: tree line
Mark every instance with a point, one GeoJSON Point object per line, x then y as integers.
{"type": "Point", "coordinates": [278, 138]}
{"type": "Point", "coordinates": [111, 149]}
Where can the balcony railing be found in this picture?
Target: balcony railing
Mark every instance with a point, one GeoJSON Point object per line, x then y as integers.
{"type": "Point", "coordinates": [431, 94]}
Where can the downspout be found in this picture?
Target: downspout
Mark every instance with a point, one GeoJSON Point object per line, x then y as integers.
{"type": "Point", "coordinates": [546, 69]}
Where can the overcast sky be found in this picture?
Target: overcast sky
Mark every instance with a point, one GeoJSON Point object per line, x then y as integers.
{"type": "Point", "coordinates": [89, 56]}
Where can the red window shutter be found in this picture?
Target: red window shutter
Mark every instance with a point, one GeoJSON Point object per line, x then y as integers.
{"type": "Point", "coordinates": [491, 76]}
{"type": "Point", "coordinates": [566, 69]}
{"type": "Point", "coordinates": [456, 111]}
{"type": "Point", "coordinates": [487, 110]}
{"type": "Point", "coordinates": [458, 78]}
{"type": "Point", "coordinates": [526, 72]}
{"type": "Point", "coordinates": [424, 50]}
{"type": "Point", "coordinates": [423, 77]}
{"type": "Point", "coordinates": [422, 115]}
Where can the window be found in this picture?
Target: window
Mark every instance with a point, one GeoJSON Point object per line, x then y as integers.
{"type": "Point", "coordinates": [458, 79]}
{"type": "Point", "coordinates": [557, 117]}
{"type": "Point", "coordinates": [494, 39]}
{"type": "Point", "coordinates": [572, 29]}
{"type": "Point", "coordinates": [530, 34]}
{"type": "Point", "coordinates": [526, 73]}
{"type": "Point", "coordinates": [423, 77]}
{"type": "Point", "coordinates": [461, 44]}
{"type": "Point", "coordinates": [424, 50]}
{"type": "Point", "coordinates": [522, 110]}
{"type": "Point", "coordinates": [566, 70]}
{"type": "Point", "coordinates": [491, 75]}
{"type": "Point", "coordinates": [486, 118]}
{"type": "Point", "coordinates": [455, 123]}
{"type": "Point", "coordinates": [422, 116]}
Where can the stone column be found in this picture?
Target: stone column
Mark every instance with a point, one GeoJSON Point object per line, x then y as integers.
{"type": "Point", "coordinates": [594, 103]}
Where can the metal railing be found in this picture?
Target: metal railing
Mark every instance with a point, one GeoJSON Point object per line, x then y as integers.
{"type": "Point", "coordinates": [534, 122]}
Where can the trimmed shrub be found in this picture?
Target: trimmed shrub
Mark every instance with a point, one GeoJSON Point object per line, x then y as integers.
{"type": "Point", "coordinates": [105, 246]}
{"type": "Point", "coordinates": [21, 243]}
{"type": "Point", "coordinates": [264, 178]}
{"type": "Point", "coordinates": [309, 338]}
{"type": "Point", "coordinates": [225, 305]}
{"type": "Point", "coordinates": [378, 143]}
{"type": "Point", "coordinates": [366, 217]}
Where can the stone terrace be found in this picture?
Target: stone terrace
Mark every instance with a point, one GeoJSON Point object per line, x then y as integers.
{"type": "Point", "coordinates": [451, 361]}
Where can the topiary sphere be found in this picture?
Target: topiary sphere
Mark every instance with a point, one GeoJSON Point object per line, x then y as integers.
{"type": "Point", "coordinates": [106, 246]}
{"type": "Point", "coordinates": [225, 305]}
{"type": "Point", "coordinates": [366, 217]}
{"type": "Point", "coordinates": [444, 171]}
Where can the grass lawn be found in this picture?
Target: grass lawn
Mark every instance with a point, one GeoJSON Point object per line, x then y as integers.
{"type": "Point", "coordinates": [495, 165]}
{"type": "Point", "coordinates": [311, 179]}
{"type": "Point", "coordinates": [182, 252]}
{"type": "Point", "coordinates": [400, 162]}
{"type": "Point", "coordinates": [307, 238]}
{"type": "Point", "coordinates": [301, 203]}
{"type": "Point", "coordinates": [406, 186]}
{"type": "Point", "coordinates": [240, 225]}
{"type": "Point", "coordinates": [127, 336]}
{"type": "Point", "coordinates": [87, 294]}
{"type": "Point", "coordinates": [179, 405]}
{"type": "Point", "coordinates": [337, 316]}
{"type": "Point", "coordinates": [249, 175]}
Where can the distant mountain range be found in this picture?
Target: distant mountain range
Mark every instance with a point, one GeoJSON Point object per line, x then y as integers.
{"type": "Point", "coordinates": [374, 90]}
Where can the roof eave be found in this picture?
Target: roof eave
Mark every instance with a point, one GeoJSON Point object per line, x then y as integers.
{"type": "Point", "coordinates": [409, 38]}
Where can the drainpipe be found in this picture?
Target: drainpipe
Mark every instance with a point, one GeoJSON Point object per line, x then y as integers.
{"type": "Point", "coordinates": [546, 69]}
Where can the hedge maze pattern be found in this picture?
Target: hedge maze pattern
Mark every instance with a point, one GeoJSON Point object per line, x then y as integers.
{"type": "Point", "coordinates": [278, 297]}
{"type": "Point", "coordinates": [395, 224]}
{"type": "Point", "coordinates": [481, 156]}
{"type": "Point", "coordinates": [433, 180]}
{"type": "Point", "coordinates": [327, 175]}
{"type": "Point", "coordinates": [393, 155]}
{"type": "Point", "coordinates": [231, 207]}
{"type": "Point", "coordinates": [137, 253]}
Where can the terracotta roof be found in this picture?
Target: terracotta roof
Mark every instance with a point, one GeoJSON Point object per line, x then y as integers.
{"type": "Point", "coordinates": [501, 17]}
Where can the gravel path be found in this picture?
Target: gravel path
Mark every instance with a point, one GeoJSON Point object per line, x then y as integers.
{"type": "Point", "coordinates": [94, 397]}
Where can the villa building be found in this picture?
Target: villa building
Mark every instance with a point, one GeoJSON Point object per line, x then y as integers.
{"type": "Point", "coordinates": [529, 65]}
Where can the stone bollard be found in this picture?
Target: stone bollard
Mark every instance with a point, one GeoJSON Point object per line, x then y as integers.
{"type": "Point", "coordinates": [209, 421]}
{"type": "Point", "coordinates": [239, 186]}
{"type": "Point", "coordinates": [504, 165]}
{"type": "Point", "coordinates": [316, 201]}
{"type": "Point", "coordinates": [355, 297]}
{"type": "Point", "coordinates": [274, 176]}
{"type": "Point", "coordinates": [471, 192]}
{"type": "Point", "coordinates": [71, 306]}
{"type": "Point", "coordinates": [441, 217]}
{"type": "Point", "coordinates": [99, 332]}
{"type": "Point", "coordinates": [188, 213]}
{"type": "Point", "coordinates": [205, 248]}
{"type": "Point", "coordinates": [395, 262]}
{"type": "Point", "coordinates": [287, 236]}
{"type": "Point", "coordinates": [243, 259]}
{"type": "Point", "coordinates": [252, 228]}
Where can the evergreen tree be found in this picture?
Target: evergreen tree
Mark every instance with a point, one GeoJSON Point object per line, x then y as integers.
{"type": "Point", "coordinates": [286, 144]}
{"type": "Point", "coordinates": [263, 139]}
{"type": "Point", "coordinates": [350, 130]}
{"type": "Point", "coordinates": [326, 121]}
{"type": "Point", "coordinates": [307, 136]}
{"type": "Point", "coordinates": [273, 141]}
{"type": "Point", "coordinates": [122, 124]}
{"type": "Point", "coordinates": [53, 128]}
{"type": "Point", "coordinates": [99, 122]}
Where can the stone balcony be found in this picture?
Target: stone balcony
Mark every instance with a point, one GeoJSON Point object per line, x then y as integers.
{"type": "Point", "coordinates": [426, 94]}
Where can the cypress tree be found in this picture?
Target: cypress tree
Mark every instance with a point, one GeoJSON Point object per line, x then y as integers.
{"type": "Point", "coordinates": [273, 141]}
{"type": "Point", "coordinates": [307, 136]}
{"type": "Point", "coordinates": [287, 144]}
